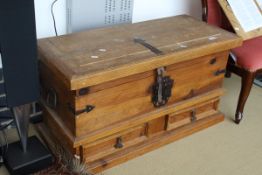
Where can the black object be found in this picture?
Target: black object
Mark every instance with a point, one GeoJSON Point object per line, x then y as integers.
{"type": "Point", "coordinates": [162, 89]}
{"type": "Point", "coordinates": [18, 50]}
{"type": "Point", "coordinates": [213, 61]}
{"type": "Point", "coordinates": [219, 72]}
{"type": "Point", "coordinates": [193, 116]}
{"type": "Point", "coordinates": [148, 46]}
{"type": "Point", "coordinates": [51, 98]}
{"type": "Point", "coordinates": [25, 163]}
{"type": "Point", "coordinates": [87, 109]}
{"type": "Point", "coordinates": [119, 143]}
{"type": "Point", "coordinates": [53, 16]}
{"type": "Point", "coordinates": [2, 88]}
{"type": "Point", "coordinates": [83, 91]}
{"type": "Point", "coordinates": [19, 57]}
{"type": "Point", "coordinates": [36, 115]}
{"type": "Point", "coordinates": [3, 102]}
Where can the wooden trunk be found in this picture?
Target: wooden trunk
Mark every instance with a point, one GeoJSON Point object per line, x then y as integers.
{"type": "Point", "coordinates": [115, 93]}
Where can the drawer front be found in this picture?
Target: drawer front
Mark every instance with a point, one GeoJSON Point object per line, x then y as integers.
{"type": "Point", "coordinates": [156, 126]}
{"type": "Point", "coordinates": [192, 115]}
{"type": "Point", "coordinates": [114, 143]}
{"type": "Point", "coordinates": [120, 100]}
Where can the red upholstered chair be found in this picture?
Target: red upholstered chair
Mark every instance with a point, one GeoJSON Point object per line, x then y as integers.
{"type": "Point", "coordinates": [245, 61]}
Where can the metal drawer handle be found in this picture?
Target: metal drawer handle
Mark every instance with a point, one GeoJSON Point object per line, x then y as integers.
{"type": "Point", "coordinates": [193, 115]}
{"type": "Point", "coordinates": [219, 72]}
{"type": "Point", "coordinates": [119, 143]}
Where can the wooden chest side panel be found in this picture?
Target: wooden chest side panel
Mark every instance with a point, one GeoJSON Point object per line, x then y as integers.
{"type": "Point", "coordinates": [60, 132]}
{"type": "Point", "coordinates": [49, 81]}
{"type": "Point", "coordinates": [132, 98]}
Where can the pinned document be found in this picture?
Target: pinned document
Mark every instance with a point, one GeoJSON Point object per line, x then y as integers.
{"type": "Point", "coordinates": [247, 13]}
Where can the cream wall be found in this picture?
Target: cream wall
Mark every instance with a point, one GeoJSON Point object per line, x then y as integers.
{"type": "Point", "coordinates": [153, 9]}
{"type": "Point", "coordinates": [143, 10]}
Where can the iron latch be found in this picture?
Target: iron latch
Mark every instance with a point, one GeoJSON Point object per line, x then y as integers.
{"type": "Point", "coordinates": [162, 89]}
{"type": "Point", "coordinates": [87, 109]}
{"type": "Point", "coordinates": [148, 46]}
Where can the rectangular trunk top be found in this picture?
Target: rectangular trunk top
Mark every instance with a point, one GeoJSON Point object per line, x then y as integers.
{"type": "Point", "coordinates": [92, 57]}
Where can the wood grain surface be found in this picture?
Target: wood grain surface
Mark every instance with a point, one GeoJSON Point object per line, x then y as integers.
{"type": "Point", "coordinates": [93, 57]}
{"type": "Point", "coordinates": [106, 69]}
{"type": "Point", "coordinates": [124, 98]}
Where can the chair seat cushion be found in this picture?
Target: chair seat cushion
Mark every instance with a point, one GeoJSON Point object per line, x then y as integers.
{"type": "Point", "coordinates": [249, 55]}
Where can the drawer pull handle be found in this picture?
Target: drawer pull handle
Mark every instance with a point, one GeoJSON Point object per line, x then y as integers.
{"type": "Point", "coordinates": [219, 72]}
{"type": "Point", "coordinates": [119, 143]}
{"type": "Point", "coordinates": [193, 116]}
{"type": "Point", "coordinates": [82, 92]}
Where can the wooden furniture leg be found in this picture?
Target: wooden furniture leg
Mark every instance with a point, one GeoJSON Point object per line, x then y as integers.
{"type": "Point", "coordinates": [230, 63]}
{"type": "Point", "coordinates": [247, 82]}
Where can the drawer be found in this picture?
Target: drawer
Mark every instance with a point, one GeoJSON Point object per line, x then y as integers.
{"type": "Point", "coordinates": [114, 143]}
{"type": "Point", "coordinates": [156, 126]}
{"type": "Point", "coordinates": [191, 115]}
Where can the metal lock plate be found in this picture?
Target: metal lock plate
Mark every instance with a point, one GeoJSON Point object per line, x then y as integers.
{"type": "Point", "coordinates": [162, 89]}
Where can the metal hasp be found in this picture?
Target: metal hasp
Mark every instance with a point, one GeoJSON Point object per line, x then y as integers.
{"type": "Point", "coordinates": [149, 46]}
{"type": "Point", "coordinates": [87, 109]}
{"type": "Point", "coordinates": [162, 89]}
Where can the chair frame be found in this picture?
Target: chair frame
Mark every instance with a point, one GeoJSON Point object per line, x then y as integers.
{"type": "Point", "coordinates": [247, 77]}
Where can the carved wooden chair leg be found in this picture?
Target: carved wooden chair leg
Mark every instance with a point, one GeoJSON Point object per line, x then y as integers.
{"type": "Point", "coordinates": [247, 82]}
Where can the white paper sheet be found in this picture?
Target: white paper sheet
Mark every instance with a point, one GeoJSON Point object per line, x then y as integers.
{"type": "Point", "coordinates": [247, 13]}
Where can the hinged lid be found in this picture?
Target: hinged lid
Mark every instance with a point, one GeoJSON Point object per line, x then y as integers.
{"type": "Point", "coordinates": [96, 56]}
